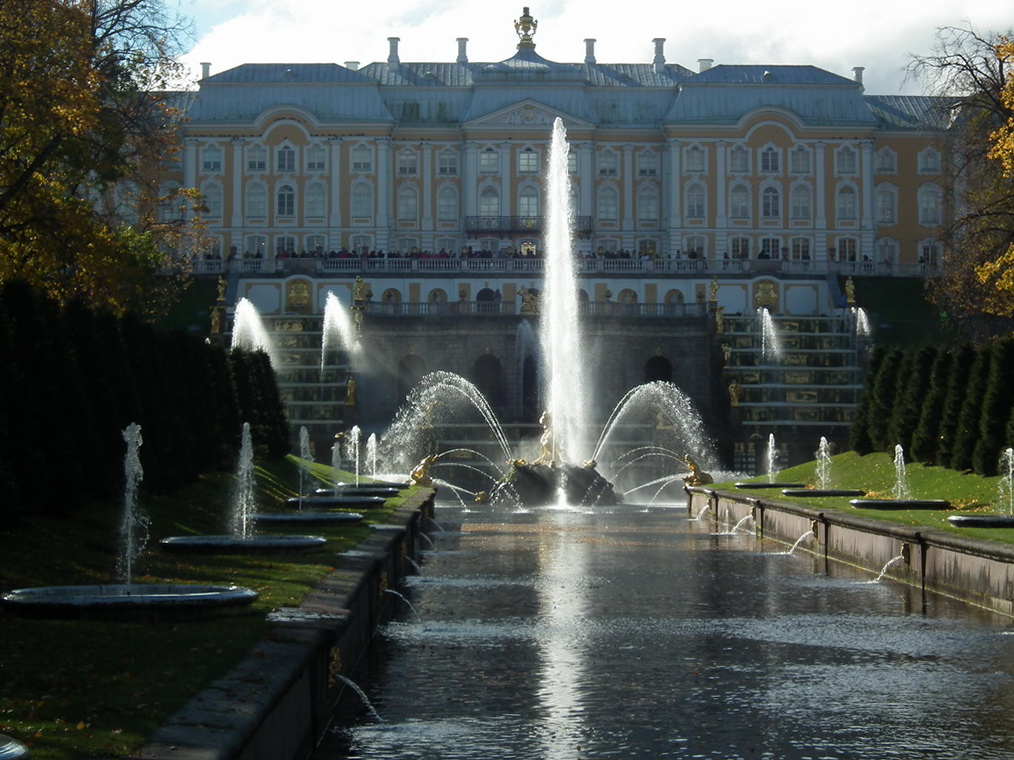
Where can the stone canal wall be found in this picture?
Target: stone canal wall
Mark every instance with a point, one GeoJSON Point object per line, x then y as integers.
{"type": "Point", "coordinates": [276, 704]}
{"type": "Point", "coordinates": [974, 570]}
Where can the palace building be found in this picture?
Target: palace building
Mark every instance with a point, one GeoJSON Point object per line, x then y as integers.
{"type": "Point", "coordinates": [719, 188]}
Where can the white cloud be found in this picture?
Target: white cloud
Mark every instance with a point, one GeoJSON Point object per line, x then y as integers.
{"type": "Point", "coordinates": [871, 33]}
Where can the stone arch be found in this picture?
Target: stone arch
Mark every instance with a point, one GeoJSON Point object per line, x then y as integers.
{"type": "Point", "coordinates": [658, 368]}
{"type": "Point", "coordinates": [391, 295]}
{"type": "Point", "coordinates": [488, 376]}
{"type": "Point", "coordinates": [411, 370]}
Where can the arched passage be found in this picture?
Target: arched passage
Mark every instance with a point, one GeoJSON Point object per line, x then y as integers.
{"type": "Point", "coordinates": [657, 368]}
{"type": "Point", "coordinates": [410, 371]}
{"type": "Point", "coordinates": [487, 374]}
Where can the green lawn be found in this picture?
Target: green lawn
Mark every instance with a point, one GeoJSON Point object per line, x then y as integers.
{"type": "Point", "coordinates": [875, 474]}
{"type": "Point", "coordinates": [74, 689]}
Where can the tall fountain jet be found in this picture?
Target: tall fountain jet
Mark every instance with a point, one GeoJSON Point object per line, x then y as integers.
{"type": "Point", "coordinates": [564, 397]}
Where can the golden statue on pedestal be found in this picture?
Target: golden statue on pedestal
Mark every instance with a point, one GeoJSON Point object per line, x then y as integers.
{"type": "Point", "coordinates": [420, 474]}
{"type": "Point", "coordinates": [697, 477]}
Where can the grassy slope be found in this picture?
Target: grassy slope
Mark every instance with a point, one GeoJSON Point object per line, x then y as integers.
{"type": "Point", "coordinates": [72, 689]}
{"type": "Point", "coordinates": [875, 474]}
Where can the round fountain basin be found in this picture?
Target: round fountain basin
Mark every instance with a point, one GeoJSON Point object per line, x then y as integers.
{"type": "Point", "coordinates": [981, 521]}
{"type": "Point", "coordinates": [307, 518]}
{"type": "Point", "coordinates": [336, 502]}
{"type": "Point", "coordinates": [225, 544]}
{"type": "Point", "coordinates": [129, 602]}
{"type": "Point", "coordinates": [11, 749]}
{"type": "Point", "coordinates": [818, 492]}
{"type": "Point", "coordinates": [748, 486]}
{"type": "Point", "coordinates": [900, 504]}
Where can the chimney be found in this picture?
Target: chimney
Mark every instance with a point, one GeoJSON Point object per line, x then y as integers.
{"type": "Point", "coordinates": [589, 51]}
{"type": "Point", "coordinates": [703, 64]}
{"type": "Point", "coordinates": [392, 56]}
{"type": "Point", "coordinates": [659, 60]}
{"type": "Point", "coordinates": [857, 73]}
{"type": "Point", "coordinates": [205, 69]}
{"type": "Point", "coordinates": [352, 65]}
{"type": "Point", "coordinates": [462, 50]}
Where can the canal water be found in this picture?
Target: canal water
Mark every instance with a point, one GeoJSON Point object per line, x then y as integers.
{"type": "Point", "coordinates": [638, 633]}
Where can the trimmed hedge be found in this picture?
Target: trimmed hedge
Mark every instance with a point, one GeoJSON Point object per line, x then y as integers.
{"type": "Point", "coordinates": [71, 380]}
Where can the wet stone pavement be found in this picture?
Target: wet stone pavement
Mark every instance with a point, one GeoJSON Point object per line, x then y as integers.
{"type": "Point", "coordinates": [636, 633]}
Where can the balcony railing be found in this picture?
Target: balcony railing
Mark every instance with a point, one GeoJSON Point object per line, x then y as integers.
{"type": "Point", "coordinates": [534, 265]}
{"type": "Point", "coordinates": [508, 308]}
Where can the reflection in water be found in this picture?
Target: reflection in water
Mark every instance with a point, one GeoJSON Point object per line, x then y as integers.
{"type": "Point", "coordinates": [633, 633]}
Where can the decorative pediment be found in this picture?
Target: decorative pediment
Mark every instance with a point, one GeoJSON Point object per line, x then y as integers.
{"type": "Point", "coordinates": [526, 113]}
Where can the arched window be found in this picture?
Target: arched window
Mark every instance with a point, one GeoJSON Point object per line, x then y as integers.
{"type": "Point", "coordinates": [739, 159]}
{"type": "Point", "coordinates": [489, 202]}
{"type": "Point", "coordinates": [169, 202]}
{"type": "Point", "coordinates": [647, 205]}
{"type": "Point", "coordinates": [256, 158]}
{"type": "Point", "coordinates": [799, 160]}
{"type": "Point", "coordinates": [285, 159]}
{"type": "Point", "coordinates": [256, 200]}
{"type": "Point", "coordinates": [316, 156]}
{"type": "Point", "coordinates": [770, 160]}
{"type": "Point", "coordinates": [739, 202]}
{"type": "Point", "coordinates": [362, 159]}
{"type": "Point", "coordinates": [447, 204]}
{"type": "Point", "coordinates": [361, 200]}
{"type": "Point", "coordinates": [887, 204]}
{"type": "Point", "coordinates": [285, 200]}
{"type": "Point", "coordinates": [211, 192]}
{"type": "Point", "coordinates": [696, 201]}
{"type": "Point", "coordinates": [771, 203]}
{"type": "Point", "coordinates": [528, 202]}
{"type": "Point", "coordinates": [608, 205]}
{"type": "Point", "coordinates": [316, 201]}
{"type": "Point", "coordinates": [847, 204]}
{"type": "Point", "coordinates": [930, 205]}
{"type": "Point", "coordinates": [408, 204]}
{"type": "Point", "coordinates": [800, 203]}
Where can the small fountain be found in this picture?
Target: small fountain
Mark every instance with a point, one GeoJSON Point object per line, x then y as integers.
{"type": "Point", "coordinates": [862, 322]}
{"type": "Point", "coordinates": [339, 331]}
{"type": "Point", "coordinates": [823, 475]}
{"type": "Point", "coordinates": [1004, 498]}
{"type": "Point", "coordinates": [248, 331]}
{"type": "Point", "coordinates": [128, 600]}
{"type": "Point", "coordinates": [771, 348]}
{"type": "Point", "coordinates": [242, 539]}
{"type": "Point", "coordinates": [902, 493]}
{"type": "Point", "coordinates": [890, 563]}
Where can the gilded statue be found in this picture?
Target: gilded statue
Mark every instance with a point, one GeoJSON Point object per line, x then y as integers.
{"type": "Point", "coordinates": [420, 474]}
{"type": "Point", "coordinates": [529, 301]}
{"type": "Point", "coordinates": [350, 392]}
{"type": "Point", "coordinates": [221, 288]}
{"type": "Point", "coordinates": [714, 289]}
{"type": "Point", "coordinates": [697, 477]}
{"type": "Point", "coordinates": [735, 389]}
{"type": "Point", "coordinates": [850, 292]}
{"type": "Point", "coordinates": [547, 452]}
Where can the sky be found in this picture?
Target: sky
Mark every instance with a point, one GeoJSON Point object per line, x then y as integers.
{"type": "Point", "coordinates": [880, 35]}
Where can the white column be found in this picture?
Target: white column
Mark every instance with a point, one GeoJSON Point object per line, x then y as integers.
{"type": "Point", "coordinates": [427, 195]}
{"type": "Point", "coordinates": [470, 179]}
{"type": "Point", "coordinates": [674, 195]}
{"type": "Point", "coordinates": [721, 189]}
{"type": "Point", "coordinates": [338, 188]}
{"type": "Point", "coordinates": [586, 172]}
{"type": "Point", "coordinates": [867, 221]}
{"type": "Point", "coordinates": [238, 187]}
{"type": "Point", "coordinates": [820, 200]}
{"type": "Point", "coordinates": [383, 221]}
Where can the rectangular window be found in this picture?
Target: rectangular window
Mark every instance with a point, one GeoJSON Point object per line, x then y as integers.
{"type": "Point", "coordinates": [769, 160]}
{"type": "Point", "coordinates": [846, 159]}
{"type": "Point", "coordinates": [739, 160]}
{"type": "Point", "coordinates": [447, 165]}
{"type": "Point", "coordinates": [285, 159]}
{"type": "Point", "coordinates": [315, 157]}
{"type": "Point", "coordinates": [408, 164]}
{"type": "Point", "coordinates": [801, 249]}
{"type": "Point", "coordinates": [211, 159]}
{"type": "Point", "coordinates": [489, 161]}
{"type": "Point", "coordinates": [256, 159]}
{"type": "Point", "coordinates": [647, 165]}
{"type": "Point", "coordinates": [607, 164]}
{"type": "Point", "coordinates": [695, 159]}
{"type": "Point", "coordinates": [528, 162]}
{"type": "Point", "coordinates": [799, 160]}
{"type": "Point", "coordinates": [362, 159]}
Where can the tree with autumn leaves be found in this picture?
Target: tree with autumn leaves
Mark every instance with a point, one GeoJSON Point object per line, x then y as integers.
{"type": "Point", "coordinates": [976, 286]}
{"type": "Point", "coordinates": [86, 109]}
